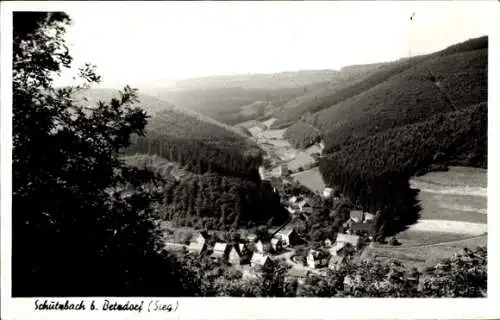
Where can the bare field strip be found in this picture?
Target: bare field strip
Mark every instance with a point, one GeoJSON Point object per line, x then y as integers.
{"type": "Point", "coordinates": [311, 179]}
{"type": "Point", "coordinates": [451, 226]}
{"type": "Point", "coordinates": [411, 238]}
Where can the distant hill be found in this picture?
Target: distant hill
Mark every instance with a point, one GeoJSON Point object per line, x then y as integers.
{"type": "Point", "coordinates": [189, 138]}
{"type": "Point", "coordinates": [232, 99]}
{"type": "Point", "coordinates": [280, 80]}
{"type": "Point", "coordinates": [227, 104]}
{"type": "Point", "coordinates": [324, 96]}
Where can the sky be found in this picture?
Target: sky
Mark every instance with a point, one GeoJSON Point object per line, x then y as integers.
{"type": "Point", "coordinates": [155, 43]}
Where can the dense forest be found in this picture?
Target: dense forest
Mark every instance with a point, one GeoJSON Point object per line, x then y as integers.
{"type": "Point", "coordinates": [456, 81]}
{"type": "Point", "coordinates": [212, 200]}
{"type": "Point", "coordinates": [374, 171]}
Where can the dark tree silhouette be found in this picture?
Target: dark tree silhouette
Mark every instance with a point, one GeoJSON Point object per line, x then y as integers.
{"type": "Point", "coordinates": [74, 232]}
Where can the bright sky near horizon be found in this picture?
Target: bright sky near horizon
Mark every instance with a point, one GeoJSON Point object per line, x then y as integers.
{"type": "Point", "coordinates": [154, 43]}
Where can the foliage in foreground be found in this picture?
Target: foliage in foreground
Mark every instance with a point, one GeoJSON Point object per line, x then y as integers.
{"type": "Point", "coordinates": [73, 231]}
{"type": "Point", "coordinates": [463, 275]}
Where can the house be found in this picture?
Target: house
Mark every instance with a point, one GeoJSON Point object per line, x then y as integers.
{"type": "Point", "coordinates": [234, 257]}
{"type": "Point", "coordinates": [358, 228]}
{"type": "Point", "coordinates": [348, 238]}
{"type": "Point", "coordinates": [251, 237]}
{"type": "Point", "coordinates": [317, 259]}
{"type": "Point", "coordinates": [336, 262]}
{"type": "Point", "coordinates": [276, 244]}
{"type": "Point", "coordinates": [198, 242]}
{"type": "Point", "coordinates": [291, 210]}
{"type": "Point", "coordinates": [258, 259]}
{"type": "Point", "coordinates": [196, 247]}
{"type": "Point", "coordinates": [369, 217]}
{"type": "Point", "coordinates": [289, 237]}
{"type": "Point", "coordinates": [282, 169]}
{"type": "Point", "coordinates": [356, 216]}
{"type": "Point", "coordinates": [327, 192]}
{"type": "Point", "coordinates": [259, 247]}
{"type": "Point", "coordinates": [299, 274]}
{"type": "Point", "coordinates": [328, 243]}
{"type": "Point", "coordinates": [337, 249]}
{"type": "Point", "coordinates": [220, 250]}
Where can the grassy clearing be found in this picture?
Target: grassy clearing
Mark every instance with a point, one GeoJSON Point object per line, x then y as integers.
{"type": "Point", "coordinates": [426, 255]}
{"type": "Point", "coordinates": [451, 226]}
{"type": "Point", "coordinates": [452, 207]}
{"type": "Point", "coordinates": [411, 238]}
{"type": "Point", "coordinates": [311, 179]}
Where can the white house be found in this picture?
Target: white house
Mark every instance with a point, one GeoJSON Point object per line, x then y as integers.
{"type": "Point", "coordinates": [261, 173]}
{"type": "Point", "coordinates": [336, 249]}
{"type": "Point", "coordinates": [327, 192]}
{"type": "Point", "coordinates": [356, 216]}
{"type": "Point", "coordinates": [234, 257]}
{"type": "Point", "coordinates": [348, 238]}
{"type": "Point", "coordinates": [316, 259]}
{"type": "Point", "coordinates": [291, 210]}
{"type": "Point", "coordinates": [259, 247]}
{"type": "Point", "coordinates": [288, 236]}
{"type": "Point", "coordinates": [219, 250]}
{"type": "Point", "coordinates": [197, 244]}
{"type": "Point", "coordinates": [259, 260]}
{"type": "Point", "coordinates": [335, 262]}
{"type": "Point", "coordinates": [328, 243]}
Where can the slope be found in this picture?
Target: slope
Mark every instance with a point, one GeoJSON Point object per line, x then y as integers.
{"type": "Point", "coordinates": [373, 171]}
{"type": "Point", "coordinates": [456, 81]}
{"type": "Point", "coordinates": [316, 102]}
{"type": "Point", "coordinates": [211, 200]}
{"type": "Point", "coordinates": [189, 138]}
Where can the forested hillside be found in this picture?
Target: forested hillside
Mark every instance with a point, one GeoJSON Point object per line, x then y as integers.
{"type": "Point", "coordinates": [323, 97]}
{"type": "Point", "coordinates": [439, 85]}
{"type": "Point", "coordinates": [212, 200]}
{"type": "Point", "coordinates": [334, 95]}
{"type": "Point", "coordinates": [191, 139]}
{"type": "Point", "coordinates": [373, 171]}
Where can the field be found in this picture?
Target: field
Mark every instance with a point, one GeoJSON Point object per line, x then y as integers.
{"type": "Point", "coordinates": [453, 216]}
{"type": "Point", "coordinates": [424, 255]}
{"type": "Point", "coordinates": [311, 179]}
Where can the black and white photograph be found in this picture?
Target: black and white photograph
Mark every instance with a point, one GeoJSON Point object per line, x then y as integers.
{"type": "Point", "coordinates": [268, 149]}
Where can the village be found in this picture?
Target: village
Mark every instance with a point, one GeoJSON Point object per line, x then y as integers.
{"type": "Point", "coordinates": [251, 252]}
